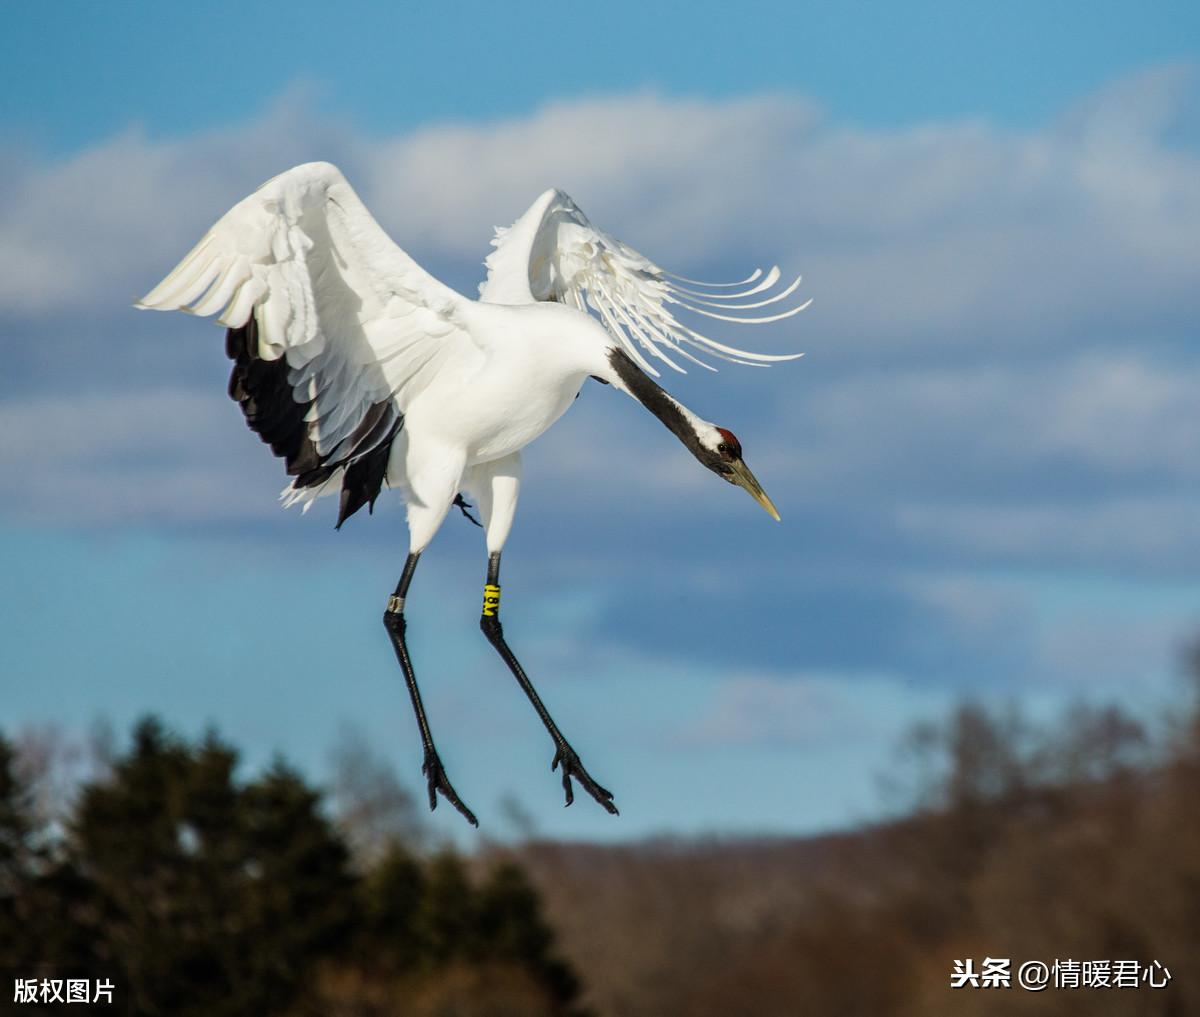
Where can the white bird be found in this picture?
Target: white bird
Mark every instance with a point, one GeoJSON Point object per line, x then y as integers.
{"type": "Point", "coordinates": [359, 368]}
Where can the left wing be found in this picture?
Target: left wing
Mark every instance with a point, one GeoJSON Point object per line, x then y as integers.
{"type": "Point", "coordinates": [553, 252]}
{"type": "Point", "coordinates": [333, 329]}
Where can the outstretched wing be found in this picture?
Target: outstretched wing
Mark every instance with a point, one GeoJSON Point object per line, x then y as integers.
{"type": "Point", "coordinates": [554, 253]}
{"type": "Point", "coordinates": [333, 329]}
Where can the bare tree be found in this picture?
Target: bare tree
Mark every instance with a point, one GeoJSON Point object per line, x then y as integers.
{"type": "Point", "coordinates": [371, 805]}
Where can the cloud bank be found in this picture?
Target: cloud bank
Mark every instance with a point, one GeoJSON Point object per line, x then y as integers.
{"type": "Point", "coordinates": [999, 378]}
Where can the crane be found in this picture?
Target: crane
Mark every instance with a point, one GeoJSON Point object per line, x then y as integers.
{"type": "Point", "coordinates": [359, 368]}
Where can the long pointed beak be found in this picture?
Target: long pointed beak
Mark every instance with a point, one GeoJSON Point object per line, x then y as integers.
{"type": "Point", "coordinates": [740, 474]}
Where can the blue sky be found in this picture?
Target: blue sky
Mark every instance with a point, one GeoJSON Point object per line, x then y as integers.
{"type": "Point", "coordinates": [988, 463]}
{"type": "Point", "coordinates": [393, 67]}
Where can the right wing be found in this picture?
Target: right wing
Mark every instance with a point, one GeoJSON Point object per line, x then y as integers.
{"type": "Point", "coordinates": [333, 328]}
{"type": "Point", "coordinates": [553, 252]}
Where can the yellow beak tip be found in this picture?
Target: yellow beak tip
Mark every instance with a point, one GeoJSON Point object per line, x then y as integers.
{"type": "Point", "coordinates": [769, 505]}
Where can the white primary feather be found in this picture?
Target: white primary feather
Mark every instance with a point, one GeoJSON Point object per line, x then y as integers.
{"type": "Point", "coordinates": [358, 320]}
{"type": "Point", "coordinates": [553, 252]}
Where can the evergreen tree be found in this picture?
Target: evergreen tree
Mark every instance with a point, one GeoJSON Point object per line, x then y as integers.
{"type": "Point", "coordinates": [511, 929]}
{"type": "Point", "coordinates": [208, 898]}
{"type": "Point", "coordinates": [392, 893]}
{"type": "Point", "coordinates": [199, 894]}
{"type": "Point", "coordinates": [18, 855]}
{"type": "Point", "coordinates": [446, 914]}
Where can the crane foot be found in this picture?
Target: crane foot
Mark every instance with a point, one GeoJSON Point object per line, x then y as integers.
{"type": "Point", "coordinates": [436, 776]}
{"type": "Point", "coordinates": [572, 767]}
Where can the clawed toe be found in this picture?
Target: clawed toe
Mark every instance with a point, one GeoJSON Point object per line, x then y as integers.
{"type": "Point", "coordinates": [572, 767]}
{"type": "Point", "coordinates": [437, 782]}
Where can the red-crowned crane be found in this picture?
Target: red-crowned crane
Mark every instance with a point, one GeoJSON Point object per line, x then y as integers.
{"type": "Point", "coordinates": [358, 368]}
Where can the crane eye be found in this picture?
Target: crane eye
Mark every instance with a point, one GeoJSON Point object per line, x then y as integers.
{"type": "Point", "coordinates": [730, 447]}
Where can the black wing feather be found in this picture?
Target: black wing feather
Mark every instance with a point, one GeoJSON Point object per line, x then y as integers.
{"type": "Point", "coordinates": [261, 388]}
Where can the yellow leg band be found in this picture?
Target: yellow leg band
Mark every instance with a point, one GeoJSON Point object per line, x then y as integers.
{"type": "Point", "coordinates": [491, 601]}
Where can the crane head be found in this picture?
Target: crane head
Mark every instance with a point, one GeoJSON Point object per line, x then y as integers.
{"type": "Point", "coordinates": [716, 447]}
{"type": "Point", "coordinates": [722, 453]}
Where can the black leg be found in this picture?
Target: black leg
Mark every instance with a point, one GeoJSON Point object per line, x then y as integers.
{"type": "Point", "coordinates": [393, 620]}
{"type": "Point", "coordinates": [489, 621]}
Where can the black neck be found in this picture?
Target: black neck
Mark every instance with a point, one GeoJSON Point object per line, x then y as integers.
{"type": "Point", "coordinates": [656, 400]}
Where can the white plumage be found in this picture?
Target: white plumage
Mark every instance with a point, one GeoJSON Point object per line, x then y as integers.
{"type": "Point", "coordinates": [360, 368]}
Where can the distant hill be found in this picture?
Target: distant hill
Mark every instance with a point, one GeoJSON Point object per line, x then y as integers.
{"type": "Point", "coordinates": [1080, 845]}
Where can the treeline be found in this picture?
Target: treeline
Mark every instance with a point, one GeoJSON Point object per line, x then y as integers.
{"type": "Point", "coordinates": [195, 893]}
{"type": "Point", "coordinates": [198, 893]}
{"type": "Point", "coordinates": [1072, 841]}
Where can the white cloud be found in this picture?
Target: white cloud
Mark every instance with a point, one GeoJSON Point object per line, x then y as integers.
{"type": "Point", "coordinates": [161, 456]}
{"type": "Point", "coordinates": [935, 235]}
{"type": "Point", "coordinates": [989, 325]}
{"type": "Point", "coordinates": [1147, 532]}
{"type": "Point", "coordinates": [1118, 417]}
{"type": "Point", "coordinates": [91, 233]}
{"type": "Point", "coordinates": [691, 175]}
{"type": "Point", "coordinates": [807, 710]}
